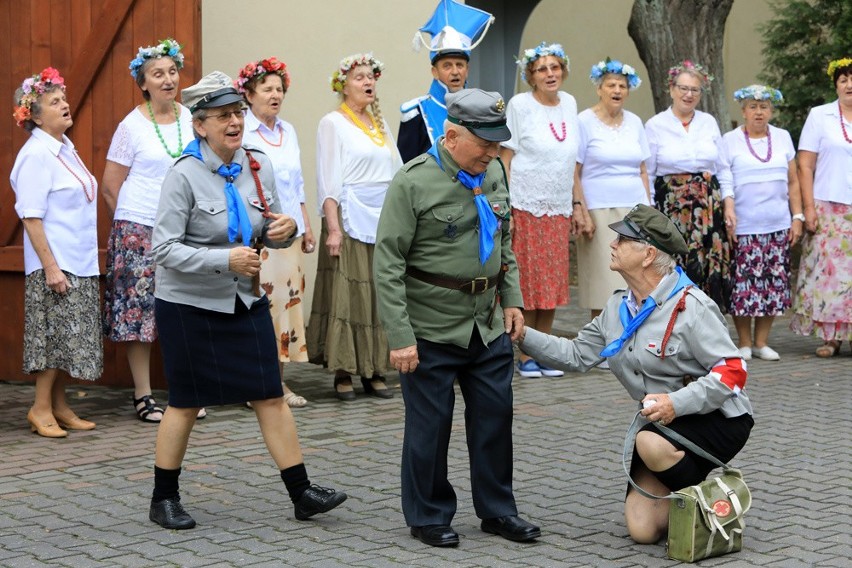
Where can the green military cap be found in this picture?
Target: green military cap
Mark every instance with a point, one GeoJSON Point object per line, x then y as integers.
{"type": "Point", "coordinates": [481, 112]}
{"type": "Point", "coordinates": [645, 223]}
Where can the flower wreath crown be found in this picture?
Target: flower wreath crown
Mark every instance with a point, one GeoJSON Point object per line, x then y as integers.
{"type": "Point", "coordinates": [33, 87]}
{"type": "Point", "coordinates": [259, 69]}
{"type": "Point", "coordinates": [338, 78]}
{"type": "Point", "coordinates": [759, 93]}
{"type": "Point", "coordinates": [837, 64]}
{"type": "Point", "coordinates": [541, 50]}
{"type": "Point", "coordinates": [687, 65]}
{"type": "Point", "coordinates": [616, 67]}
{"type": "Point", "coordinates": [166, 48]}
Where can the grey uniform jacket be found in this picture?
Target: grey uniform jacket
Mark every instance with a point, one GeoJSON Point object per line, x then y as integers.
{"type": "Point", "coordinates": [190, 239]}
{"type": "Point", "coordinates": [699, 341]}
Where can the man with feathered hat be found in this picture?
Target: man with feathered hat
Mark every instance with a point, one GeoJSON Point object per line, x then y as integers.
{"type": "Point", "coordinates": [455, 30]}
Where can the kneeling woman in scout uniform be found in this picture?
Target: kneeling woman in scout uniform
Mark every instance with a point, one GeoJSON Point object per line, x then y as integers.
{"type": "Point", "coordinates": [666, 342]}
{"type": "Point", "coordinates": [217, 209]}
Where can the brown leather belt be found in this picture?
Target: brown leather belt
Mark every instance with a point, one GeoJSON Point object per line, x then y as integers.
{"type": "Point", "coordinates": [478, 285]}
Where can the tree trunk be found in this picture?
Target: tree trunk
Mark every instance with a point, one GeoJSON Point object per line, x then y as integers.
{"type": "Point", "coordinates": [668, 31]}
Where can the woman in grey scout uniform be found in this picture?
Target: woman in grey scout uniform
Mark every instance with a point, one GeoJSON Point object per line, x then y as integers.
{"type": "Point", "coordinates": [217, 337]}
{"type": "Point", "coordinates": [669, 346]}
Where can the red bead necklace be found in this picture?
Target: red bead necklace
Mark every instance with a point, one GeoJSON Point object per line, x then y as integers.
{"type": "Point", "coordinates": [89, 196]}
{"type": "Point", "coordinates": [842, 123]}
{"type": "Point", "coordinates": [280, 137]}
{"type": "Point", "coordinates": [768, 141]}
{"type": "Point", "coordinates": [564, 132]}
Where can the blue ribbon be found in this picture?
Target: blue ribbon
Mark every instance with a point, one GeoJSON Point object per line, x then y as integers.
{"type": "Point", "coordinates": [487, 219]}
{"type": "Point", "coordinates": [632, 323]}
{"type": "Point", "coordinates": [238, 219]}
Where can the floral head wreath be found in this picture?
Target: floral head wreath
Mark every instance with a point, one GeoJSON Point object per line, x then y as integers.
{"type": "Point", "coordinates": [615, 67]}
{"type": "Point", "coordinates": [166, 48]}
{"type": "Point", "coordinates": [687, 66]}
{"type": "Point", "coordinates": [759, 93]}
{"type": "Point", "coordinates": [338, 78]}
{"type": "Point", "coordinates": [838, 64]}
{"type": "Point", "coordinates": [542, 50]}
{"type": "Point", "coordinates": [259, 69]}
{"type": "Point", "coordinates": [32, 88]}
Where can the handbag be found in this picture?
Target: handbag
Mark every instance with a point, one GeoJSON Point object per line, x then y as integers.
{"type": "Point", "coordinates": [705, 520]}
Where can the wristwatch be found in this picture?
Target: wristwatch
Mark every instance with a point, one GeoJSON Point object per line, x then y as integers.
{"type": "Point", "coordinates": [799, 217]}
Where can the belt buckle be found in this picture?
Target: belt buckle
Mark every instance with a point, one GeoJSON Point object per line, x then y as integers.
{"type": "Point", "coordinates": [474, 289]}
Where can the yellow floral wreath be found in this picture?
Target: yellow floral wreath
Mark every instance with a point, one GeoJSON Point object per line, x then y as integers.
{"type": "Point", "coordinates": [836, 64]}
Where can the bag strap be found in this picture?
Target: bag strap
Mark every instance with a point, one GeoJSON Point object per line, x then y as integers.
{"type": "Point", "coordinates": [628, 446]}
{"type": "Point", "coordinates": [254, 166]}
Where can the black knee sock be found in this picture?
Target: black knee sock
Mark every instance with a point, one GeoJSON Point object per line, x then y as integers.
{"type": "Point", "coordinates": [165, 484]}
{"type": "Point", "coordinates": [295, 478]}
{"type": "Point", "coordinates": [684, 473]}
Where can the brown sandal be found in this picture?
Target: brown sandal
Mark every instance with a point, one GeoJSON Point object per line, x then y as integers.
{"type": "Point", "coordinates": [828, 349]}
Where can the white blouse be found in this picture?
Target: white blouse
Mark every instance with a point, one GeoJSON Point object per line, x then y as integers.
{"type": "Point", "coordinates": [50, 183]}
{"type": "Point", "coordinates": [676, 150]}
{"type": "Point", "coordinates": [760, 189]}
{"type": "Point", "coordinates": [346, 156]}
{"type": "Point", "coordinates": [612, 158]}
{"type": "Point", "coordinates": [822, 134]}
{"type": "Point", "coordinates": [542, 167]}
{"type": "Point", "coordinates": [136, 145]}
{"type": "Point", "coordinates": [282, 147]}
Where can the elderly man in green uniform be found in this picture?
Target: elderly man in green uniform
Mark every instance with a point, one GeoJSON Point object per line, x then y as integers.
{"type": "Point", "coordinates": [443, 266]}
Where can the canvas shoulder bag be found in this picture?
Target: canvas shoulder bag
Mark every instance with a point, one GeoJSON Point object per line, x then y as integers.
{"type": "Point", "coordinates": [705, 520]}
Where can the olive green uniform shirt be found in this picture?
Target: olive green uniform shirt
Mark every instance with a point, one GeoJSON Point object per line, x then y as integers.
{"type": "Point", "coordinates": [429, 221]}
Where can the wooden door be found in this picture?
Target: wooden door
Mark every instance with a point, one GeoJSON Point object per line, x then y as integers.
{"type": "Point", "coordinates": [91, 43]}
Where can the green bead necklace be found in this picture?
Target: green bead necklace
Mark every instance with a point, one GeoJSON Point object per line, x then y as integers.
{"type": "Point", "coordinates": [160, 135]}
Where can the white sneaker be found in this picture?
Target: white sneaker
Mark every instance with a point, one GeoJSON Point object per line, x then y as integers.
{"type": "Point", "coordinates": [548, 372]}
{"type": "Point", "coordinates": [745, 353]}
{"type": "Point", "coordinates": [766, 353]}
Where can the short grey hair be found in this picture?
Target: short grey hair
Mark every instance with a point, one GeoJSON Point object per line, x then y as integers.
{"type": "Point", "coordinates": [199, 115]}
{"type": "Point", "coordinates": [664, 264]}
{"type": "Point", "coordinates": [35, 108]}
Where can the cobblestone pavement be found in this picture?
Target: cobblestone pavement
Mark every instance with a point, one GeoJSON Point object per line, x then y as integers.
{"type": "Point", "coordinates": [83, 501]}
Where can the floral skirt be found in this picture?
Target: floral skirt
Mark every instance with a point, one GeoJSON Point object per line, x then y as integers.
{"type": "Point", "coordinates": [344, 330]}
{"type": "Point", "coordinates": [129, 290]}
{"type": "Point", "coordinates": [694, 204]}
{"type": "Point", "coordinates": [596, 282]}
{"type": "Point", "coordinates": [540, 245]}
{"type": "Point", "coordinates": [62, 331]}
{"type": "Point", "coordinates": [823, 299]}
{"type": "Point", "coordinates": [282, 276]}
{"type": "Point", "coordinates": [761, 275]}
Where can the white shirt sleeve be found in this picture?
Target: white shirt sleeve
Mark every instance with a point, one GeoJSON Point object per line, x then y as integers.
{"type": "Point", "coordinates": [122, 150]}
{"type": "Point", "coordinates": [723, 173]}
{"type": "Point", "coordinates": [653, 146]}
{"type": "Point", "coordinates": [329, 163]}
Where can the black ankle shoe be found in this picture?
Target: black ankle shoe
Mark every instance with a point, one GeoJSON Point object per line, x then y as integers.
{"type": "Point", "coordinates": [169, 514]}
{"type": "Point", "coordinates": [317, 499]}
{"type": "Point", "coordinates": [343, 395]}
{"type": "Point", "coordinates": [373, 391]}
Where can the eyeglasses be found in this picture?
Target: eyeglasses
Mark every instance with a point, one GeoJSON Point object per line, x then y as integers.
{"type": "Point", "coordinates": [624, 238]}
{"type": "Point", "coordinates": [684, 89]}
{"type": "Point", "coordinates": [226, 116]}
{"type": "Point", "coordinates": [545, 68]}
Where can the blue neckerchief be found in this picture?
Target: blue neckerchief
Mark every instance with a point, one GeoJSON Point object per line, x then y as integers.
{"type": "Point", "coordinates": [631, 323]}
{"type": "Point", "coordinates": [238, 218]}
{"type": "Point", "coordinates": [434, 110]}
{"type": "Point", "coordinates": [487, 219]}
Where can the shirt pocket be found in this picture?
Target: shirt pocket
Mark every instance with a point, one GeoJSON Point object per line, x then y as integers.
{"type": "Point", "coordinates": [256, 202]}
{"type": "Point", "coordinates": [655, 348]}
{"type": "Point", "coordinates": [212, 206]}
{"type": "Point", "coordinates": [446, 221]}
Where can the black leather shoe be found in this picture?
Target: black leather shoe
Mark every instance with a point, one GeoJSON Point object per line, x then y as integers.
{"type": "Point", "coordinates": [317, 499]}
{"type": "Point", "coordinates": [343, 394]}
{"type": "Point", "coordinates": [373, 391]}
{"type": "Point", "coordinates": [511, 528]}
{"type": "Point", "coordinates": [436, 535]}
{"type": "Point", "coordinates": [169, 514]}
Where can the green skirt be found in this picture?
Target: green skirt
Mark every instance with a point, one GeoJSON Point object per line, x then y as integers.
{"type": "Point", "coordinates": [344, 332]}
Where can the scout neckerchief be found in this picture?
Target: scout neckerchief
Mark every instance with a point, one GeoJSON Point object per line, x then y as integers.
{"type": "Point", "coordinates": [238, 218]}
{"type": "Point", "coordinates": [487, 219]}
{"type": "Point", "coordinates": [632, 323]}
